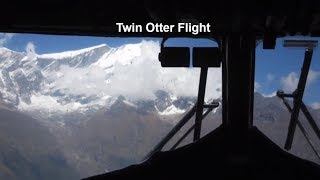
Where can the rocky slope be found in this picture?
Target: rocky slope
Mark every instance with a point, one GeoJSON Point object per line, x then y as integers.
{"type": "Point", "coordinates": [29, 151]}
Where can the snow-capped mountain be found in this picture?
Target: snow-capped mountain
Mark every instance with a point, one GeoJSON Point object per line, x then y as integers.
{"type": "Point", "coordinates": [23, 75]}
{"type": "Point", "coordinates": [77, 83]}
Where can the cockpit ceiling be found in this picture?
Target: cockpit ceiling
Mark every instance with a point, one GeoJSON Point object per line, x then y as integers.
{"type": "Point", "coordinates": [98, 18]}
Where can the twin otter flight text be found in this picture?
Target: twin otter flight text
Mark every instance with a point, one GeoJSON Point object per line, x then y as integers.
{"type": "Point", "coordinates": [164, 28]}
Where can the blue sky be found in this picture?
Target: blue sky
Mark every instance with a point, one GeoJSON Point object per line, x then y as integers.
{"type": "Point", "coordinates": [280, 69]}
{"type": "Point", "coordinates": [275, 69]}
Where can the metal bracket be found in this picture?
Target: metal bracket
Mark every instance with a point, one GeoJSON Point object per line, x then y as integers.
{"type": "Point", "coordinates": [297, 96]}
{"type": "Point", "coordinates": [297, 100]}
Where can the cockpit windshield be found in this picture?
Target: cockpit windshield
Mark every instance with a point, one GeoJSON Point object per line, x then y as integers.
{"type": "Point", "coordinates": [280, 71]}
{"type": "Point", "coordinates": [76, 106]}
{"type": "Point", "coordinates": [91, 104]}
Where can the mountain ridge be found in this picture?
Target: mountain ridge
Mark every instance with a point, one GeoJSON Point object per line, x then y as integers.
{"type": "Point", "coordinates": [80, 80]}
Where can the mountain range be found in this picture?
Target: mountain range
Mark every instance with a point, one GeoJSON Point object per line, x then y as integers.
{"type": "Point", "coordinates": [73, 114]}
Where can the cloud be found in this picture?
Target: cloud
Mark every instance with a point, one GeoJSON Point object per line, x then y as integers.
{"type": "Point", "coordinates": [5, 37]}
{"type": "Point", "coordinates": [257, 86]}
{"type": "Point", "coordinates": [136, 80]}
{"type": "Point", "coordinates": [31, 50]}
{"type": "Point", "coordinates": [313, 76]}
{"type": "Point", "coordinates": [315, 105]}
{"type": "Point", "coordinates": [270, 77]}
{"type": "Point", "coordinates": [274, 93]}
{"type": "Point", "coordinates": [78, 81]}
{"type": "Point", "coordinates": [290, 82]}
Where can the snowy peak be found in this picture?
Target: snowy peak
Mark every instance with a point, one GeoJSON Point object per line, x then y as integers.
{"type": "Point", "coordinates": [163, 100]}
{"type": "Point", "coordinates": [62, 83]}
{"type": "Point", "coordinates": [74, 53]}
{"type": "Point", "coordinates": [23, 75]}
{"type": "Point", "coordinates": [4, 50]}
{"type": "Point", "coordinates": [162, 105]}
{"type": "Point", "coordinates": [86, 80]}
{"type": "Point", "coordinates": [123, 55]}
{"type": "Point", "coordinates": [77, 59]}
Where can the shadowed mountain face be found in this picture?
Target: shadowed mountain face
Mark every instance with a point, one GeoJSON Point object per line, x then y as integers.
{"type": "Point", "coordinates": [115, 137]}
{"type": "Point", "coordinates": [28, 150]}
{"type": "Point", "coordinates": [272, 118]}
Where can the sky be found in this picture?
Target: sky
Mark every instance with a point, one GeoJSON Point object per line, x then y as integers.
{"type": "Point", "coordinates": [280, 69]}
{"type": "Point", "coordinates": [275, 69]}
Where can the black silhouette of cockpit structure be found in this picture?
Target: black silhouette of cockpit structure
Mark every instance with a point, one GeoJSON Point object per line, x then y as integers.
{"type": "Point", "coordinates": [236, 149]}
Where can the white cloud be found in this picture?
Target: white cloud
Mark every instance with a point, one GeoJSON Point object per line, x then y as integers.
{"type": "Point", "coordinates": [274, 93]}
{"type": "Point", "coordinates": [270, 77]}
{"type": "Point", "coordinates": [315, 105]}
{"type": "Point", "coordinates": [136, 80]}
{"type": "Point", "coordinates": [290, 82]}
{"type": "Point", "coordinates": [257, 86]}
{"type": "Point", "coordinates": [79, 81]}
{"type": "Point", "coordinates": [313, 76]}
{"type": "Point", "coordinates": [31, 50]}
{"type": "Point", "coordinates": [5, 37]}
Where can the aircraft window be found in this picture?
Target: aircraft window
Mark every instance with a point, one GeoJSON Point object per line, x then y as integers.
{"type": "Point", "coordinates": [280, 69]}
{"type": "Point", "coordinates": [72, 106]}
